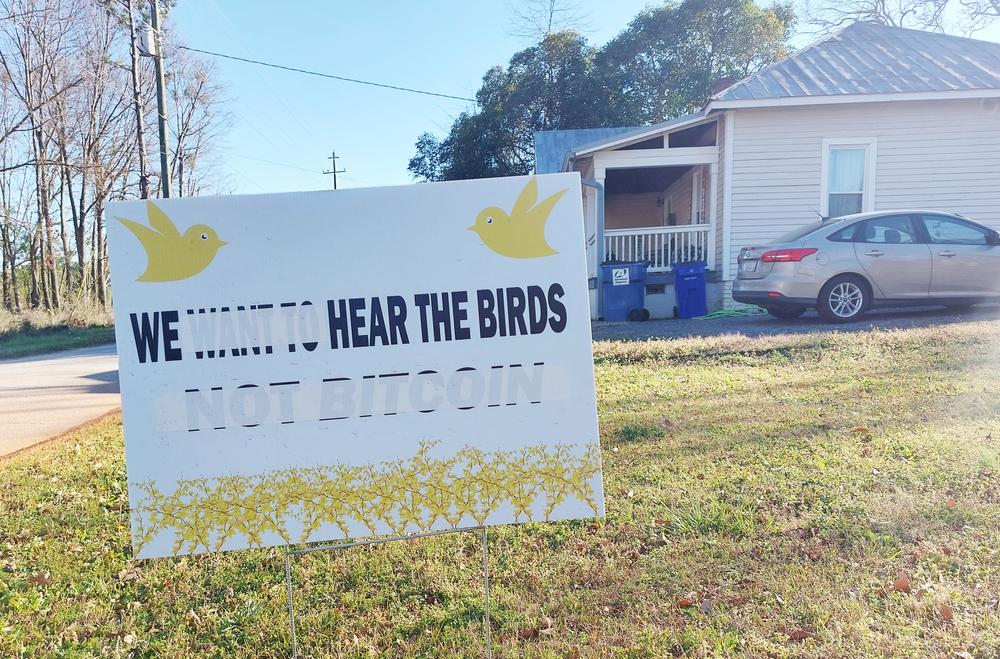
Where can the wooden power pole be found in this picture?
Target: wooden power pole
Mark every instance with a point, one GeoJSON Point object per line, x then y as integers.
{"type": "Point", "coordinates": [334, 170]}
{"type": "Point", "coordinates": [161, 98]}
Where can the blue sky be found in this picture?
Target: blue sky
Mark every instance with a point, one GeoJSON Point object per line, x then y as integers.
{"type": "Point", "coordinates": [294, 121]}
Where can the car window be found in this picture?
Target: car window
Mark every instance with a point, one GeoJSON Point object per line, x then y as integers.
{"type": "Point", "coordinates": [945, 230]}
{"type": "Point", "coordinates": [893, 229]}
{"type": "Point", "coordinates": [845, 235]}
{"type": "Point", "coordinates": [802, 231]}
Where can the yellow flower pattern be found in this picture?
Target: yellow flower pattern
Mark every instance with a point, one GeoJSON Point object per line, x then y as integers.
{"type": "Point", "coordinates": [401, 496]}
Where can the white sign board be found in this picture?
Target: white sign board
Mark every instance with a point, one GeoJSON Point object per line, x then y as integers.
{"type": "Point", "coordinates": [314, 366]}
{"type": "Point", "coordinates": [619, 276]}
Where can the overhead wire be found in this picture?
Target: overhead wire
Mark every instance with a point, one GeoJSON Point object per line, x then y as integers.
{"type": "Point", "coordinates": [357, 81]}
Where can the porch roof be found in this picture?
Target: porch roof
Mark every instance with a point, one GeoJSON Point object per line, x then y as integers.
{"type": "Point", "coordinates": [552, 146]}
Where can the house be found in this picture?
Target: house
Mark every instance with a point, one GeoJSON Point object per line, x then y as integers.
{"type": "Point", "coordinates": [869, 118]}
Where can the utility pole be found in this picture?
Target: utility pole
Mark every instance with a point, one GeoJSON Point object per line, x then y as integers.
{"type": "Point", "coordinates": [137, 105]}
{"type": "Point", "coordinates": [334, 171]}
{"type": "Point", "coordinates": [161, 98]}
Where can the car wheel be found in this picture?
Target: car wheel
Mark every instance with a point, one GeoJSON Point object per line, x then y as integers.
{"type": "Point", "coordinates": [843, 299]}
{"type": "Point", "coordinates": [786, 313]}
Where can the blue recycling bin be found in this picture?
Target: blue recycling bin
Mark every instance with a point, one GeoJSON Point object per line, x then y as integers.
{"type": "Point", "coordinates": [689, 287]}
{"type": "Point", "coordinates": [624, 290]}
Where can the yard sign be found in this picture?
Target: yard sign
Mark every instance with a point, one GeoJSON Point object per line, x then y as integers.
{"type": "Point", "coordinates": [314, 366]}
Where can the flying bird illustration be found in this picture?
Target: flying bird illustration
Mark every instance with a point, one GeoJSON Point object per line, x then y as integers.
{"type": "Point", "coordinates": [171, 256]}
{"type": "Point", "coordinates": [520, 235]}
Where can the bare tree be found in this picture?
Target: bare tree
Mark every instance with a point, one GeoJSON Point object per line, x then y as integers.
{"type": "Point", "coordinates": [197, 121]}
{"type": "Point", "coordinates": [75, 99]}
{"type": "Point", "coordinates": [534, 20]}
{"type": "Point", "coordinates": [963, 16]}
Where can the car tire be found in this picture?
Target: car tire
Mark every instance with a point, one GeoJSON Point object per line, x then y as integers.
{"type": "Point", "coordinates": [786, 313]}
{"type": "Point", "coordinates": [844, 299]}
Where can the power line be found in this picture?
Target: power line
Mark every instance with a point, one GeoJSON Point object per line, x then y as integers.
{"type": "Point", "coordinates": [280, 164]}
{"type": "Point", "coordinates": [327, 75]}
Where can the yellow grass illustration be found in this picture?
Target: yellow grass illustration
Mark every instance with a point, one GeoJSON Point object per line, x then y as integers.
{"type": "Point", "coordinates": [401, 496]}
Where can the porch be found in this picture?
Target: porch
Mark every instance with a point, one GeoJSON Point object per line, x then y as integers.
{"type": "Point", "coordinates": [658, 215]}
{"type": "Point", "coordinates": [654, 198]}
{"type": "Point", "coordinates": [651, 194]}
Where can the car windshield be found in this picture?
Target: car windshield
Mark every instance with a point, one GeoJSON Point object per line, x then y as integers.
{"type": "Point", "coordinates": [795, 234]}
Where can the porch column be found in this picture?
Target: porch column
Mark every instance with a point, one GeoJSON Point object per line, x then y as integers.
{"type": "Point", "coordinates": [597, 184]}
{"type": "Point", "coordinates": [713, 207]}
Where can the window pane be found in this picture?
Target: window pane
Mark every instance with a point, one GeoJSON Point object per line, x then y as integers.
{"type": "Point", "coordinates": [847, 170]}
{"type": "Point", "coordinates": [845, 204]}
{"type": "Point", "coordinates": [945, 230]}
{"type": "Point", "coordinates": [845, 235]}
{"type": "Point", "coordinates": [895, 229]}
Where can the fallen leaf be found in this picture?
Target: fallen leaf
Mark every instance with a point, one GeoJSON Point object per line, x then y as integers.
{"type": "Point", "coordinates": [528, 633]}
{"type": "Point", "coordinates": [76, 549]}
{"type": "Point", "coordinates": [902, 584]}
{"type": "Point", "coordinates": [706, 606]}
{"type": "Point", "coordinates": [799, 634]}
{"type": "Point", "coordinates": [546, 622]}
{"type": "Point", "coordinates": [962, 654]}
{"type": "Point", "coordinates": [946, 612]}
{"type": "Point", "coordinates": [685, 603]}
{"type": "Point", "coordinates": [41, 579]}
{"type": "Point", "coordinates": [191, 618]}
{"type": "Point", "coordinates": [952, 503]}
{"type": "Point", "coordinates": [814, 553]}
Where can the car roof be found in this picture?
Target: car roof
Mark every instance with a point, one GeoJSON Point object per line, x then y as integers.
{"type": "Point", "coordinates": [896, 211]}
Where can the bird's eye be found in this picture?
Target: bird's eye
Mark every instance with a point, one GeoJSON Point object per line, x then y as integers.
{"type": "Point", "coordinates": [489, 220]}
{"type": "Point", "coordinates": [204, 236]}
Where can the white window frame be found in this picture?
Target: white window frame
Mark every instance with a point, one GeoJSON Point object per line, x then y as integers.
{"type": "Point", "coordinates": [870, 145]}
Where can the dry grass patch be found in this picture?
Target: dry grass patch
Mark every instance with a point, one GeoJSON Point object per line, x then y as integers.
{"type": "Point", "coordinates": [764, 496]}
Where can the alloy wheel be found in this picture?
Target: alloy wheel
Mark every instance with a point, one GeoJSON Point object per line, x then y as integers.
{"type": "Point", "coordinates": [846, 299]}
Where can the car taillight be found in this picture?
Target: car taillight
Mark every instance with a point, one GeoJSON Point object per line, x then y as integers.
{"type": "Point", "coordinates": [784, 255]}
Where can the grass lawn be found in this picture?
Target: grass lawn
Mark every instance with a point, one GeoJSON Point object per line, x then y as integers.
{"type": "Point", "coordinates": [50, 339]}
{"type": "Point", "coordinates": [824, 495]}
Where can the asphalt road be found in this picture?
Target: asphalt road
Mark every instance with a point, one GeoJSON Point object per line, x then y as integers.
{"type": "Point", "coordinates": [46, 395]}
{"type": "Point", "coordinates": [765, 325]}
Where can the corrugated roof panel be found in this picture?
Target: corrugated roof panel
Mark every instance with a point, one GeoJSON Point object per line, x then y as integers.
{"type": "Point", "coordinates": [867, 58]}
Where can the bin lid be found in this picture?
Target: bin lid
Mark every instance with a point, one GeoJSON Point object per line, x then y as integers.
{"type": "Point", "coordinates": [690, 268]}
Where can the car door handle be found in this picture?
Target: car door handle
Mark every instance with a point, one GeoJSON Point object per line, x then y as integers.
{"type": "Point", "coordinates": [873, 252]}
{"type": "Point", "coordinates": [947, 253]}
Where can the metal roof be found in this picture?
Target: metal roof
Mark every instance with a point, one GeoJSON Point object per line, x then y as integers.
{"type": "Point", "coordinates": [552, 146]}
{"type": "Point", "coordinates": [868, 58]}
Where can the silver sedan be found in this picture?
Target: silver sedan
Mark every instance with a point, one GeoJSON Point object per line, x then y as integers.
{"type": "Point", "coordinates": [847, 265]}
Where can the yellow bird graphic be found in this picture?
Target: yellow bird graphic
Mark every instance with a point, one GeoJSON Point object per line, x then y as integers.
{"type": "Point", "coordinates": [520, 235]}
{"type": "Point", "coordinates": [171, 256]}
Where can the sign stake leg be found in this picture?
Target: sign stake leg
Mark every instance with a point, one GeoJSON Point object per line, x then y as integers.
{"type": "Point", "coordinates": [486, 593]}
{"type": "Point", "coordinates": [291, 604]}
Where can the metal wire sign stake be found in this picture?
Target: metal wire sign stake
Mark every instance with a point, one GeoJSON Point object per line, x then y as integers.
{"type": "Point", "coordinates": [289, 552]}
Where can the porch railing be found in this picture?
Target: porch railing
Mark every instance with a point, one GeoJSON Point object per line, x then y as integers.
{"type": "Point", "coordinates": [661, 246]}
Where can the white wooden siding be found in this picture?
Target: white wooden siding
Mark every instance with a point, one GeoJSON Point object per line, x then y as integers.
{"type": "Point", "coordinates": [941, 155]}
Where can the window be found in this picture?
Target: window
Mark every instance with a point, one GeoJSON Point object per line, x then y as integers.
{"type": "Point", "coordinates": [948, 231]}
{"type": "Point", "coordinates": [894, 229]}
{"type": "Point", "coordinates": [848, 176]}
{"type": "Point", "coordinates": [845, 235]}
